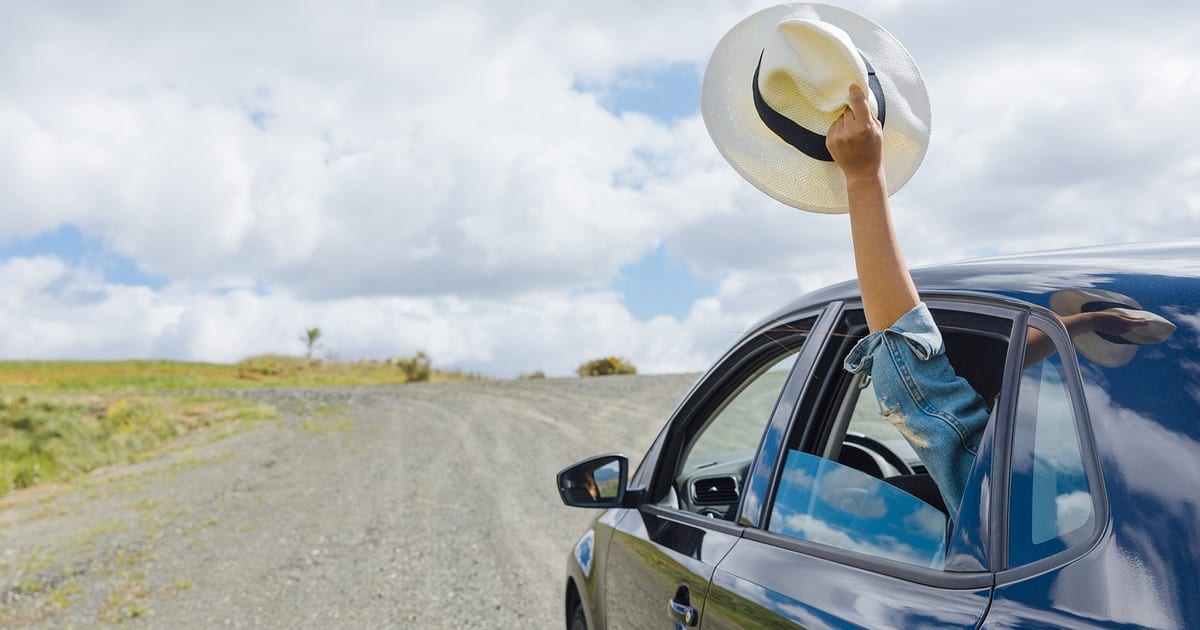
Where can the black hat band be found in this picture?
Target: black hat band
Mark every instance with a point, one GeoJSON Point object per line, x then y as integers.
{"type": "Point", "coordinates": [807, 141]}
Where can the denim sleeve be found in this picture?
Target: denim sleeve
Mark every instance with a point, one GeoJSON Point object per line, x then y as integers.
{"type": "Point", "coordinates": [938, 413]}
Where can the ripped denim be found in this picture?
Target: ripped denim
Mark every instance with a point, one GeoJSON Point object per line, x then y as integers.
{"type": "Point", "coordinates": [938, 413]}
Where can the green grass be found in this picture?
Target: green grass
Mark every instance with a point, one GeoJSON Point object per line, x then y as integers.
{"type": "Point", "coordinates": [259, 371]}
{"type": "Point", "coordinates": [61, 419]}
{"type": "Point", "coordinates": [59, 436]}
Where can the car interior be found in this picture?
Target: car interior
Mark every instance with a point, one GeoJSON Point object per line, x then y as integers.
{"type": "Point", "coordinates": [710, 483]}
{"type": "Point", "coordinates": [862, 439]}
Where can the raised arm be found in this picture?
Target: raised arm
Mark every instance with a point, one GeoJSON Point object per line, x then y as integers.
{"type": "Point", "coordinates": [856, 142]}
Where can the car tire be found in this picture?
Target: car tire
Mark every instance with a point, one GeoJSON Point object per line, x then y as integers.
{"type": "Point", "coordinates": [578, 620]}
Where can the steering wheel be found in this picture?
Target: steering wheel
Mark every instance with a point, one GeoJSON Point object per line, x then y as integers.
{"type": "Point", "coordinates": [877, 447]}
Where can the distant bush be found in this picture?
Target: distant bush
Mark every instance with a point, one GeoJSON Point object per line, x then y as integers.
{"type": "Point", "coordinates": [417, 368]}
{"type": "Point", "coordinates": [605, 367]}
{"type": "Point", "coordinates": [272, 365]}
{"type": "Point", "coordinates": [532, 376]}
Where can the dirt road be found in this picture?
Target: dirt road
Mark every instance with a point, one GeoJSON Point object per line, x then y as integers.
{"type": "Point", "coordinates": [417, 506]}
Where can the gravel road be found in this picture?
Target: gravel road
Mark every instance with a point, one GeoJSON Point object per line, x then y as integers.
{"type": "Point", "coordinates": [415, 506]}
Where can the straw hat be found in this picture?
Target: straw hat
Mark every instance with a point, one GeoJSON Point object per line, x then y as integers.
{"type": "Point", "coordinates": [779, 79]}
{"type": "Point", "coordinates": [1105, 349]}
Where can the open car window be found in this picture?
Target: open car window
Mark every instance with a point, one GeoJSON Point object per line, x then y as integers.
{"type": "Point", "coordinates": [852, 480]}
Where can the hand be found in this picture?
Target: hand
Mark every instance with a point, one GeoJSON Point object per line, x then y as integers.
{"type": "Point", "coordinates": [1109, 322]}
{"type": "Point", "coordinates": [1116, 323]}
{"type": "Point", "coordinates": [856, 138]}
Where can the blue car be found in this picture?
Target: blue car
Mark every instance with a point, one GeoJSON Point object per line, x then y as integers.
{"type": "Point", "coordinates": [778, 494]}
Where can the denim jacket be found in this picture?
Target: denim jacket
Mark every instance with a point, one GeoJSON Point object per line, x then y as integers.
{"type": "Point", "coordinates": [938, 413]}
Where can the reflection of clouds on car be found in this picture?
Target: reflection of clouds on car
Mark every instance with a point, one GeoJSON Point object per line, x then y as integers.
{"type": "Point", "coordinates": [843, 507]}
{"type": "Point", "coordinates": [1189, 321]}
{"type": "Point", "coordinates": [583, 551]}
{"type": "Point", "coordinates": [798, 477]}
{"type": "Point", "coordinates": [1072, 511]}
{"type": "Point", "coordinates": [926, 523]}
{"type": "Point", "coordinates": [1174, 453]}
{"type": "Point", "coordinates": [810, 528]}
{"type": "Point", "coordinates": [851, 491]}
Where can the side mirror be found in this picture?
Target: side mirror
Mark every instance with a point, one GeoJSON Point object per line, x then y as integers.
{"type": "Point", "coordinates": [597, 482]}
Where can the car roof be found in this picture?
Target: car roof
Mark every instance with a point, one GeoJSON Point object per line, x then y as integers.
{"type": "Point", "coordinates": [1143, 271]}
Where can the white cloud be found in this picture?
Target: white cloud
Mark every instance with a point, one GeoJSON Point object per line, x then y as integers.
{"type": "Point", "coordinates": [64, 312]}
{"type": "Point", "coordinates": [424, 174]}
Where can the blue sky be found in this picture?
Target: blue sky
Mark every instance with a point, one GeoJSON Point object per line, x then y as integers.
{"type": "Point", "coordinates": [544, 194]}
{"type": "Point", "coordinates": [656, 284]}
{"type": "Point", "coordinates": [69, 244]}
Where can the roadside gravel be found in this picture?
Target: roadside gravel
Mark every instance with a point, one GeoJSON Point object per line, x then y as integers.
{"type": "Point", "coordinates": [414, 506]}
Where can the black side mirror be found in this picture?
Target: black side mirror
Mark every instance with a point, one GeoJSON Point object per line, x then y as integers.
{"type": "Point", "coordinates": [597, 482]}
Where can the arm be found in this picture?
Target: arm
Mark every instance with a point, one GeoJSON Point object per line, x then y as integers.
{"type": "Point", "coordinates": [856, 142]}
{"type": "Point", "coordinates": [939, 414]}
{"type": "Point", "coordinates": [1039, 347]}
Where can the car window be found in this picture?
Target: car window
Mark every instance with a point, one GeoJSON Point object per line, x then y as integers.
{"type": "Point", "coordinates": [712, 467]}
{"type": "Point", "coordinates": [826, 502]}
{"type": "Point", "coordinates": [738, 425]}
{"type": "Point", "coordinates": [1051, 504]}
{"type": "Point", "coordinates": [879, 442]}
{"type": "Point", "coordinates": [852, 481]}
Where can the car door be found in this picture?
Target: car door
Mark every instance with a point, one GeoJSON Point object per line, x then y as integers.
{"type": "Point", "coordinates": [663, 552]}
{"type": "Point", "coordinates": [852, 532]}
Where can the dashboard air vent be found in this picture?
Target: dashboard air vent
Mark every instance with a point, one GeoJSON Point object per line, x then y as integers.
{"type": "Point", "coordinates": [715, 490]}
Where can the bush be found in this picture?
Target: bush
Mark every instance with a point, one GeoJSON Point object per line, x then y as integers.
{"type": "Point", "coordinates": [272, 365]}
{"type": "Point", "coordinates": [606, 366]}
{"type": "Point", "coordinates": [418, 368]}
{"type": "Point", "coordinates": [532, 376]}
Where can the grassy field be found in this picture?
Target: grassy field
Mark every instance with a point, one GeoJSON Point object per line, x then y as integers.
{"type": "Point", "coordinates": [60, 419]}
{"type": "Point", "coordinates": [261, 371]}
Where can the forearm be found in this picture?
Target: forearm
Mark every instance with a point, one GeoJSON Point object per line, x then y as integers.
{"type": "Point", "coordinates": [887, 288]}
{"type": "Point", "coordinates": [1039, 347]}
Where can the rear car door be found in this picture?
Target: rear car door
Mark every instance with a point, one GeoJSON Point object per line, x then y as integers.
{"type": "Point", "coordinates": [663, 553]}
{"type": "Point", "coordinates": [851, 532]}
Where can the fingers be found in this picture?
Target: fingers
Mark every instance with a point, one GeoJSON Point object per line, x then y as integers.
{"type": "Point", "coordinates": [855, 138]}
{"type": "Point", "coordinates": [858, 103]}
{"type": "Point", "coordinates": [837, 125]}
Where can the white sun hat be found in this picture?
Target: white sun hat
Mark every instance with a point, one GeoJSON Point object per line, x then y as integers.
{"type": "Point", "coordinates": [1106, 349]}
{"type": "Point", "coordinates": [780, 78]}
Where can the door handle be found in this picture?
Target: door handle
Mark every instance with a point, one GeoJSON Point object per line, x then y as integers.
{"type": "Point", "coordinates": [683, 614]}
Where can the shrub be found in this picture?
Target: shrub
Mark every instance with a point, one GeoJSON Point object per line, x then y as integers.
{"type": "Point", "coordinates": [417, 368]}
{"type": "Point", "coordinates": [272, 365]}
{"type": "Point", "coordinates": [605, 367]}
{"type": "Point", "coordinates": [532, 376]}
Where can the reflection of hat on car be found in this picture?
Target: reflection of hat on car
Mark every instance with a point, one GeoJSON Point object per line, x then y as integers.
{"type": "Point", "coordinates": [1106, 349]}
{"type": "Point", "coordinates": [780, 78]}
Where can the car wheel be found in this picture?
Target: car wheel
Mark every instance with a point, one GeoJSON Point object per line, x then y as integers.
{"type": "Point", "coordinates": [578, 620]}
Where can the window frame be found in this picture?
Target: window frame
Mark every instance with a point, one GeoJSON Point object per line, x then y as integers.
{"type": "Point", "coordinates": [1049, 323]}
{"type": "Point", "coordinates": [814, 422]}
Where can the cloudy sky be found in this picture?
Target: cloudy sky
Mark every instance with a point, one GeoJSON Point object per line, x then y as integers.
{"type": "Point", "coordinates": [522, 185]}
